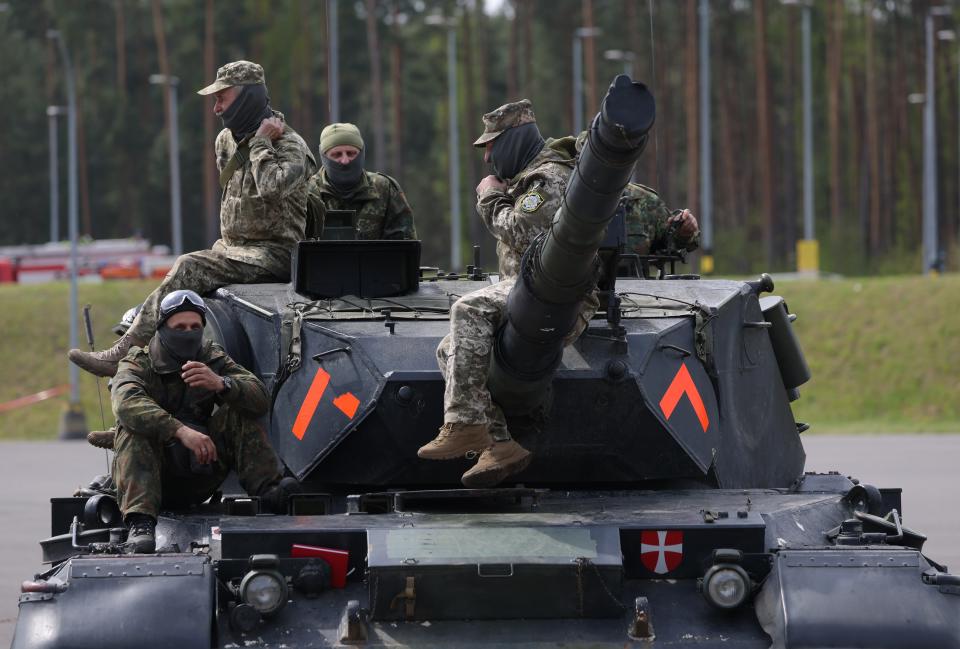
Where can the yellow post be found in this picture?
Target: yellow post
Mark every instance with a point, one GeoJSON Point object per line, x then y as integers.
{"type": "Point", "coordinates": [706, 264]}
{"type": "Point", "coordinates": [808, 256]}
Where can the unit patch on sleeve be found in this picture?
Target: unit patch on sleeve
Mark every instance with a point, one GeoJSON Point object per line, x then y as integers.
{"type": "Point", "coordinates": [531, 201]}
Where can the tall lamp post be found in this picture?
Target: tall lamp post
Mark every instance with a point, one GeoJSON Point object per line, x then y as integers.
{"type": "Point", "coordinates": [175, 218]}
{"type": "Point", "coordinates": [333, 61]}
{"type": "Point", "coordinates": [808, 248]}
{"type": "Point", "coordinates": [579, 34]}
{"type": "Point", "coordinates": [453, 138]}
{"type": "Point", "coordinates": [72, 424]}
{"type": "Point", "coordinates": [53, 112]}
{"type": "Point", "coordinates": [706, 151]}
{"type": "Point", "coordinates": [624, 56]}
{"type": "Point", "coordinates": [931, 255]}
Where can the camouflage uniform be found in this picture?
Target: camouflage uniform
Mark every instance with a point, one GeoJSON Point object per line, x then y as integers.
{"type": "Point", "coordinates": [515, 216]}
{"type": "Point", "coordinates": [381, 206]}
{"type": "Point", "coordinates": [262, 211]}
{"type": "Point", "coordinates": [647, 217]}
{"type": "Point", "coordinates": [151, 403]}
{"type": "Point", "coordinates": [647, 222]}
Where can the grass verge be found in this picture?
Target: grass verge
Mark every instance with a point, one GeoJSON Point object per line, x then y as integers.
{"type": "Point", "coordinates": [884, 352]}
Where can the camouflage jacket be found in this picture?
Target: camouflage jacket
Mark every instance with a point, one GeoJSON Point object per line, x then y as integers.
{"type": "Point", "coordinates": [263, 206]}
{"type": "Point", "coordinates": [381, 206]}
{"type": "Point", "coordinates": [648, 231]}
{"type": "Point", "coordinates": [526, 207]}
{"type": "Point", "coordinates": [153, 403]}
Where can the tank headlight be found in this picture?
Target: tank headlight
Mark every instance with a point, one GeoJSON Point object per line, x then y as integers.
{"type": "Point", "coordinates": [264, 590]}
{"type": "Point", "coordinates": [726, 585]}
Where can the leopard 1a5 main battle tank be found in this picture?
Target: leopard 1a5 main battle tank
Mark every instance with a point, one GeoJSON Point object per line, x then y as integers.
{"type": "Point", "coordinates": [666, 504]}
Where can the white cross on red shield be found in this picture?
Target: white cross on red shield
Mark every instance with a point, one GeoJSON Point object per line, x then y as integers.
{"type": "Point", "coordinates": [661, 551]}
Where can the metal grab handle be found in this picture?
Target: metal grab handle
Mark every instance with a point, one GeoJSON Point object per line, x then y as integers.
{"type": "Point", "coordinates": [481, 573]}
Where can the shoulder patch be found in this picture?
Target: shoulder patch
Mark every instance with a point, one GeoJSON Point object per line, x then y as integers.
{"type": "Point", "coordinates": [531, 201]}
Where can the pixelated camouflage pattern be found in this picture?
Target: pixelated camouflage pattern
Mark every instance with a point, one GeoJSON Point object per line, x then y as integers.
{"type": "Point", "coordinates": [203, 271]}
{"type": "Point", "coordinates": [502, 211]}
{"type": "Point", "coordinates": [507, 116]}
{"type": "Point", "coordinates": [647, 221]}
{"type": "Point", "coordinates": [150, 407]}
{"type": "Point", "coordinates": [464, 354]}
{"type": "Point", "coordinates": [381, 206]}
{"type": "Point", "coordinates": [263, 206]}
{"type": "Point", "coordinates": [235, 73]}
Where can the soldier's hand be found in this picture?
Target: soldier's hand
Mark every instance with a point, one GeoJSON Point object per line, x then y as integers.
{"type": "Point", "coordinates": [201, 445]}
{"type": "Point", "coordinates": [271, 127]}
{"type": "Point", "coordinates": [688, 224]}
{"type": "Point", "coordinates": [491, 182]}
{"type": "Point", "coordinates": [197, 375]}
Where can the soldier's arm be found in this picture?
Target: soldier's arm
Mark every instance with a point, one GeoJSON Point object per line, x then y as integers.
{"type": "Point", "coordinates": [248, 393]}
{"type": "Point", "coordinates": [279, 167]}
{"type": "Point", "coordinates": [516, 223]}
{"type": "Point", "coordinates": [133, 406]}
{"type": "Point", "coordinates": [398, 220]}
{"type": "Point", "coordinates": [316, 210]}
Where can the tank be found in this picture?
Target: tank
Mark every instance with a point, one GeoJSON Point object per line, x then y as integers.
{"type": "Point", "coordinates": [666, 503]}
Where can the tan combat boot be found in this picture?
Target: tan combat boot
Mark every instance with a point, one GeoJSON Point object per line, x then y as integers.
{"type": "Point", "coordinates": [455, 440]}
{"type": "Point", "coordinates": [102, 438]}
{"type": "Point", "coordinates": [501, 460]}
{"type": "Point", "coordinates": [103, 363]}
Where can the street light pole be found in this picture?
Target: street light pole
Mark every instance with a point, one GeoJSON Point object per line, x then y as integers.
{"type": "Point", "coordinates": [455, 216]}
{"type": "Point", "coordinates": [808, 248]}
{"type": "Point", "coordinates": [73, 423]}
{"type": "Point", "coordinates": [333, 61]}
{"type": "Point", "coordinates": [175, 216]}
{"type": "Point", "coordinates": [52, 113]}
{"type": "Point", "coordinates": [706, 152]}
{"type": "Point", "coordinates": [578, 35]}
{"type": "Point", "coordinates": [929, 156]}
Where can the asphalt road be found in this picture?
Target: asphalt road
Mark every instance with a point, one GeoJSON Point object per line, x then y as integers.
{"type": "Point", "coordinates": [923, 465]}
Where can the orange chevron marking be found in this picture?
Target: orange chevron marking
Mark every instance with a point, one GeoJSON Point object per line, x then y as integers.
{"type": "Point", "coordinates": [310, 402]}
{"type": "Point", "coordinates": [683, 384]}
{"type": "Point", "coordinates": [347, 403]}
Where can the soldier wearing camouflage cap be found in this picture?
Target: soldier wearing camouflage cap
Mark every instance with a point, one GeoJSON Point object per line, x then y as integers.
{"type": "Point", "coordinates": [264, 166]}
{"type": "Point", "coordinates": [380, 207]}
{"type": "Point", "coordinates": [516, 204]}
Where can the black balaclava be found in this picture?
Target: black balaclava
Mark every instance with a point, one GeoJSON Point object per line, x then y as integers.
{"type": "Point", "coordinates": [344, 177]}
{"type": "Point", "coordinates": [171, 348]}
{"type": "Point", "coordinates": [514, 149]}
{"type": "Point", "coordinates": [244, 115]}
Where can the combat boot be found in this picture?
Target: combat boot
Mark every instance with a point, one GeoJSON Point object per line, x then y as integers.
{"type": "Point", "coordinates": [141, 539]}
{"type": "Point", "coordinates": [456, 439]}
{"type": "Point", "coordinates": [501, 460]}
{"type": "Point", "coordinates": [103, 363]}
{"type": "Point", "coordinates": [276, 498]}
{"type": "Point", "coordinates": [102, 438]}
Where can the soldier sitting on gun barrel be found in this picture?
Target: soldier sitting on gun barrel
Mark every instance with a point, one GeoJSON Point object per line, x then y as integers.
{"type": "Point", "coordinates": [172, 449]}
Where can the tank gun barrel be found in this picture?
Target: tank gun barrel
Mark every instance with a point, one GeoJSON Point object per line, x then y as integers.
{"type": "Point", "coordinates": [560, 268]}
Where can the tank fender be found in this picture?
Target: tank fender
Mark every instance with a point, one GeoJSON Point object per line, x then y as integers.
{"type": "Point", "coordinates": [104, 601]}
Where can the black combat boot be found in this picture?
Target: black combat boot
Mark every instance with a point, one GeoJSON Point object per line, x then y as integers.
{"type": "Point", "coordinates": [142, 536]}
{"type": "Point", "coordinates": [275, 498]}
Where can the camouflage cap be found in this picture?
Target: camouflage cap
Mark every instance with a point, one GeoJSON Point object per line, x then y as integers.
{"type": "Point", "coordinates": [236, 73]}
{"type": "Point", "coordinates": [507, 116]}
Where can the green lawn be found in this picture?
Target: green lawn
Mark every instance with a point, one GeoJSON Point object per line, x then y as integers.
{"type": "Point", "coordinates": [34, 339]}
{"type": "Point", "coordinates": [885, 353]}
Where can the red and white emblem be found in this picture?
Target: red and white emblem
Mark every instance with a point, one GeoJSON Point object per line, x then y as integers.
{"type": "Point", "coordinates": [661, 551]}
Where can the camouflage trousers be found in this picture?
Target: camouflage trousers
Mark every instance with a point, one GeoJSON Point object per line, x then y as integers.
{"type": "Point", "coordinates": [203, 271]}
{"type": "Point", "coordinates": [146, 481]}
{"type": "Point", "coordinates": [464, 355]}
